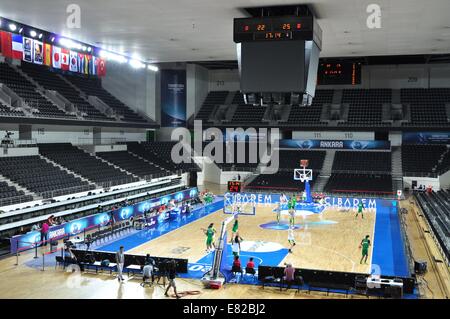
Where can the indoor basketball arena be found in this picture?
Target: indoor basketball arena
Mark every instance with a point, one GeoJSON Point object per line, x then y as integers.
{"type": "Point", "coordinates": [224, 150]}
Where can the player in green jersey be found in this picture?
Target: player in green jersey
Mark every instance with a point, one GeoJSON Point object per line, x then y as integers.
{"type": "Point", "coordinates": [360, 210]}
{"type": "Point", "coordinates": [209, 232]}
{"type": "Point", "coordinates": [364, 246]}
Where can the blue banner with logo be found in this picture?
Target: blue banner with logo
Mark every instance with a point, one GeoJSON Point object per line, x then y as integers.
{"type": "Point", "coordinates": [173, 98]}
{"type": "Point", "coordinates": [336, 144]}
{"type": "Point", "coordinates": [77, 226]}
{"type": "Point", "coordinates": [426, 137]}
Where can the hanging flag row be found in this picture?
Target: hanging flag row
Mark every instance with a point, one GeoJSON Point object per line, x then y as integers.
{"type": "Point", "coordinates": [18, 47]}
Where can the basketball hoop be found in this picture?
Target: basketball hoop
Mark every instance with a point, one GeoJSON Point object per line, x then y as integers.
{"type": "Point", "coordinates": [304, 163]}
{"type": "Point", "coordinates": [303, 174]}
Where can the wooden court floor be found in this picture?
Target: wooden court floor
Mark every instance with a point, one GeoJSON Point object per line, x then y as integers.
{"type": "Point", "coordinates": [23, 281]}
{"type": "Point", "coordinates": [331, 246]}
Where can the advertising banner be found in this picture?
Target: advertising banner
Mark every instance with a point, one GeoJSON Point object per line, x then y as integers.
{"type": "Point", "coordinates": [336, 144]}
{"type": "Point", "coordinates": [426, 138]}
{"type": "Point", "coordinates": [77, 226]}
{"type": "Point", "coordinates": [173, 98]}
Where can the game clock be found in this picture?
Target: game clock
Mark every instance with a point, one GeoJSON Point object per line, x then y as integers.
{"type": "Point", "coordinates": [234, 186]}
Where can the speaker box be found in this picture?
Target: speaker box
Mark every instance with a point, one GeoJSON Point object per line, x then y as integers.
{"type": "Point", "coordinates": [420, 267]}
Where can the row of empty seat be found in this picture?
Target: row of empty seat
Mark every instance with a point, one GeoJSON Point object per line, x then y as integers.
{"type": "Point", "coordinates": [436, 207]}
{"type": "Point", "coordinates": [56, 81]}
{"type": "Point", "coordinates": [86, 165]}
{"type": "Point", "coordinates": [40, 176]}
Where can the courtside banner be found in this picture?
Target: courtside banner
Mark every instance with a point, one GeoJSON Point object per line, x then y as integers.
{"type": "Point", "coordinates": [173, 98]}
{"type": "Point", "coordinates": [426, 138]}
{"type": "Point", "coordinates": [335, 201]}
{"type": "Point", "coordinates": [77, 226]}
{"type": "Point", "coordinates": [336, 144]}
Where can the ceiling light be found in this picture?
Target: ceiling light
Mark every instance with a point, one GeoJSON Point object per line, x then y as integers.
{"type": "Point", "coordinates": [137, 64]}
{"type": "Point", "coordinates": [152, 67]}
{"type": "Point", "coordinates": [89, 49]}
{"type": "Point", "coordinates": [52, 39]}
{"type": "Point", "coordinates": [113, 56]}
{"type": "Point", "coordinates": [33, 33]}
{"type": "Point", "coordinates": [20, 30]}
{"type": "Point", "coordinates": [12, 27]}
{"type": "Point", "coordinates": [40, 35]}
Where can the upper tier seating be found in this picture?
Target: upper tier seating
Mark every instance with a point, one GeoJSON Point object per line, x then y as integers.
{"type": "Point", "coordinates": [85, 165]}
{"type": "Point", "coordinates": [133, 164]}
{"type": "Point", "coordinates": [93, 86]}
{"type": "Point", "coordinates": [51, 81]}
{"type": "Point", "coordinates": [41, 177]}
{"type": "Point", "coordinates": [424, 159]}
{"type": "Point", "coordinates": [212, 99]}
{"type": "Point", "coordinates": [159, 153]}
{"type": "Point", "coordinates": [248, 114]}
{"type": "Point", "coordinates": [290, 159]}
{"type": "Point", "coordinates": [436, 207]}
{"type": "Point", "coordinates": [10, 195]}
{"type": "Point", "coordinates": [427, 105]}
{"type": "Point", "coordinates": [379, 162]}
{"type": "Point", "coordinates": [249, 163]}
{"type": "Point", "coordinates": [365, 106]}
{"type": "Point", "coordinates": [305, 115]}
{"type": "Point", "coordinates": [322, 97]}
{"type": "Point", "coordinates": [27, 91]}
{"type": "Point", "coordinates": [359, 183]}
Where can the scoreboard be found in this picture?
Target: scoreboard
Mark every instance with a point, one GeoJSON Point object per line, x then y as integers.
{"type": "Point", "coordinates": [273, 29]}
{"type": "Point", "coordinates": [234, 186]}
{"type": "Point", "coordinates": [339, 73]}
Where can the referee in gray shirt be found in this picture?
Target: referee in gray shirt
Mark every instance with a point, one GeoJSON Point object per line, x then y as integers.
{"type": "Point", "coordinates": [120, 260]}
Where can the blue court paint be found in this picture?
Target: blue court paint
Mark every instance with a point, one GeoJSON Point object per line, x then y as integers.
{"type": "Point", "coordinates": [388, 247]}
{"type": "Point", "coordinates": [146, 235]}
{"type": "Point", "coordinates": [271, 258]}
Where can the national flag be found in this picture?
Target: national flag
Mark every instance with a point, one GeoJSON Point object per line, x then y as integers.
{"type": "Point", "coordinates": [73, 61]}
{"type": "Point", "coordinates": [17, 46]}
{"type": "Point", "coordinates": [47, 54]}
{"type": "Point", "coordinates": [80, 62]}
{"type": "Point", "coordinates": [101, 70]}
{"type": "Point", "coordinates": [93, 66]}
{"type": "Point", "coordinates": [28, 49]}
{"type": "Point", "coordinates": [5, 44]}
{"type": "Point", "coordinates": [56, 57]}
{"type": "Point", "coordinates": [38, 52]}
{"type": "Point", "coordinates": [65, 59]}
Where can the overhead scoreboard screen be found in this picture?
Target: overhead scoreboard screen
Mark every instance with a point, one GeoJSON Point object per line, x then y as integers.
{"type": "Point", "coordinates": [336, 73]}
{"type": "Point", "coordinates": [273, 29]}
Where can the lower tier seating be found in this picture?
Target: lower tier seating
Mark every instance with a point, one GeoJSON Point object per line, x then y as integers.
{"type": "Point", "coordinates": [133, 164]}
{"type": "Point", "coordinates": [282, 181]}
{"type": "Point", "coordinates": [359, 183]}
{"type": "Point", "coordinates": [85, 165]}
{"type": "Point", "coordinates": [40, 176]}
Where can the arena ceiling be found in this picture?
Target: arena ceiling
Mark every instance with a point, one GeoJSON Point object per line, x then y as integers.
{"type": "Point", "coordinates": [201, 30]}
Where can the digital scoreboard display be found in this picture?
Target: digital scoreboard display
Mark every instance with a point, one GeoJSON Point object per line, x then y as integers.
{"type": "Point", "coordinates": [339, 73]}
{"type": "Point", "coordinates": [273, 29]}
{"type": "Point", "coordinates": [234, 186]}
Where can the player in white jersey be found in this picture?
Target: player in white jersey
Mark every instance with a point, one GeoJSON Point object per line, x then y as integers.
{"type": "Point", "coordinates": [291, 238]}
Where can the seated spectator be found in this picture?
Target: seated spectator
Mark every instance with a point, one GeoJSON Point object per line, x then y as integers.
{"type": "Point", "coordinates": [250, 264]}
{"type": "Point", "coordinates": [236, 262]}
{"type": "Point", "coordinates": [36, 227]}
{"type": "Point", "coordinates": [51, 220]}
{"type": "Point", "coordinates": [289, 272]}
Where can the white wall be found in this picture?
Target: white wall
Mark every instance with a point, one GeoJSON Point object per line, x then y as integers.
{"type": "Point", "coordinates": [224, 80]}
{"type": "Point", "coordinates": [134, 87]}
{"type": "Point", "coordinates": [425, 181]}
{"type": "Point", "coordinates": [197, 82]}
{"type": "Point", "coordinates": [372, 76]}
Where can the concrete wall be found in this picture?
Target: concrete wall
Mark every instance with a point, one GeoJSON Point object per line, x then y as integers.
{"type": "Point", "coordinates": [134, 87]}
{"type": "Point", "coordinates": [197, 87]}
